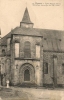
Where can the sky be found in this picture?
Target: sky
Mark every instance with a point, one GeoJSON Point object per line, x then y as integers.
{"type": "Point", "coordinates": [45, 14]}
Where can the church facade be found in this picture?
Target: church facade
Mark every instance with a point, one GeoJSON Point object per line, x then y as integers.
{"type": "Point", "coordinates": [32, 56]}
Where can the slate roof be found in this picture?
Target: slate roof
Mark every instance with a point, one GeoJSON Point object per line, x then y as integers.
{"type": "Point", "coordinates": [26, 17]}
{"type": "Point", "coordinates": [53, 40]}
{"type": "Point", "coordinates": [4, 39]}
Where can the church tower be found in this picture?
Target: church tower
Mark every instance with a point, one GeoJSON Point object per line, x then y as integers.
{"type": "Point", "coordinates": [26, 22]}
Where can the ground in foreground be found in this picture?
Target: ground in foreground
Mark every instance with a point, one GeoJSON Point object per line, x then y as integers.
{"type": "Point", "coordinates": [18, 93]}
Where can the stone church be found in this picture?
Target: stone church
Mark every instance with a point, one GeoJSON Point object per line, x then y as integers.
{"type": "Point", "coordinates": [32, 56]}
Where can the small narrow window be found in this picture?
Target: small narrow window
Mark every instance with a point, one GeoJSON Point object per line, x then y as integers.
{"type": "Point", "coordinates": [63, 68]}
{"type": "Point", "coordinates": [16, 49]}
{"type": "Point", "coordinates": [0, 68]}
{"type": "Point", "coordinates": [45, 68]}
{"type": "Point", "coordinates": [37, 51]}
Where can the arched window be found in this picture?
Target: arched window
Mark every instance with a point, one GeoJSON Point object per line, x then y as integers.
{"type": "Point", "coordinates": [27, 49]}
{"type": "Point", "coordinates": [26, 75]}
{"type": "Point", "coordinates": [45, 68]}
{"type": "Point", "coordinates": [3, 50]}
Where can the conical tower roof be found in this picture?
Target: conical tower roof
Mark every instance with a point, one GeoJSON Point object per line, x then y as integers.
{"type": "Point", "coordinates": [26, 17]}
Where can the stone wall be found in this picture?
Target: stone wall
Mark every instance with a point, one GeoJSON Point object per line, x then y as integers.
{"type": "Point", "coordinates": [40, 78]}
{"type": "Point", "coordinates": [18, 62]}
{"type": "Point", "coordinates": [48, 57]}
{"type": "Point", "coordinates": [22, 40]}
{"type": "Point", "coordinates": [8, 68]}
{"type": "Point", "coordinates": [8, 44]}
{"type": "Point", "coordinates": [3, 70]}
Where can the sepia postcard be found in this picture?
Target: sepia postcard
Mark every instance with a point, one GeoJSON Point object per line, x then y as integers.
{"type": "Point", "coordinates": [31, 49]}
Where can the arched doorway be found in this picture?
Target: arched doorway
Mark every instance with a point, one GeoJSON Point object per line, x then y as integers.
{"type": "Point", "coordinates": [26, 75]}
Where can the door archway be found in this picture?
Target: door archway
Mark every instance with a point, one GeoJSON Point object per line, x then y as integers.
{"type": "Point", "coordinates": [27, 73]}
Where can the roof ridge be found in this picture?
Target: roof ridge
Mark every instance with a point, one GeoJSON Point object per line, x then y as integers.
{"type": "Point", "coordinates": [48, 29]}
